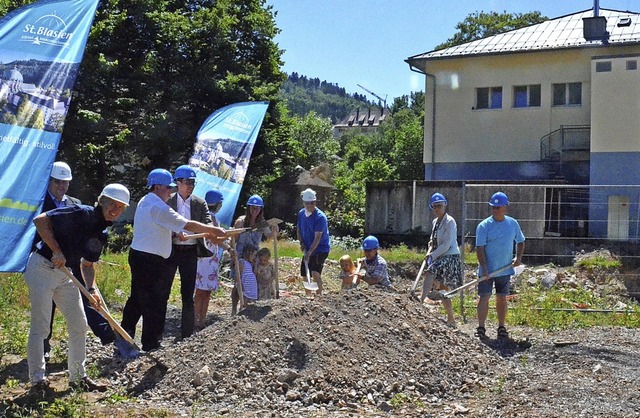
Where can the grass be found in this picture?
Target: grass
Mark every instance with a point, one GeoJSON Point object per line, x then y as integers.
{"type": "Point", "coordinates": [599, 262]}
{"type": "Point", "coordinates": [534, 307]}
{"type": "Point", "coordinates": [397, 254]}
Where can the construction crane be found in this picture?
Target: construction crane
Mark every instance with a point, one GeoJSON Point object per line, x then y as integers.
{"type": "Point", "coordinates": [373, 94]}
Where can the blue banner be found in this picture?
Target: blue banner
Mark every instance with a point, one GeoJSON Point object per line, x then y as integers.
{"type": "Point", "coordinates": [223, 150]}
{"type": "Point", "coordinates": [41, 46]}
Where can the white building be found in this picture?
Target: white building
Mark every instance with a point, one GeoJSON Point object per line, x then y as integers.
{"type": "Point", "coordinates": [537, 103]}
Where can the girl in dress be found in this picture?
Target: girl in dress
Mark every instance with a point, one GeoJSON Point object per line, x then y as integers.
{"type": "Point", "coordinates": [265, 273]}
{"type": "Point", "coordinates": [208, 267]}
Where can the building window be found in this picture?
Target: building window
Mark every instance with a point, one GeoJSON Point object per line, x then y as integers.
{"type": "Point", "coordinates": [603, 67]}
{"type": "Point", "coordinates": [567, 94]}
{"type": "Point", "coordinates": [489, 98]}
{"type": "Point", "coordinates": [526, 96]}
{"type": "Point", "coordinates": [632, 65]}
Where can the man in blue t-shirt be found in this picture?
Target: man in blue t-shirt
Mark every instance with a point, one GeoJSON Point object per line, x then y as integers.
{"type": "Point", "coordinates": [313, 234]}
{"type": "Point", "coordinates": [495, 238]}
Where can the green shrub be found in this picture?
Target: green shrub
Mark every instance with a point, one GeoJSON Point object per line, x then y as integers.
{"type": "Point", "coordinates": [120, 240]}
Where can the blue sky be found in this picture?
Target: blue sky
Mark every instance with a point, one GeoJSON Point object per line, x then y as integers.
{"type": "Point", "coordinates": [351, 42]}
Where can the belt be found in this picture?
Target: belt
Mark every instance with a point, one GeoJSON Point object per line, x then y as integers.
{"type": "Point", "coordinates": [178, 247]}
{"type": "Point", "coordinates": [40, 251]}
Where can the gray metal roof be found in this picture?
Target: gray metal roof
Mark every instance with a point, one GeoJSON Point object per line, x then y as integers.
{"type": "Point", "coordinates": [561, 32]}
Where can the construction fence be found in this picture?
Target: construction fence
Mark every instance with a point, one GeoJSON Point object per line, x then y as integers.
{"type": "Point", "coordinates": [559, 221]}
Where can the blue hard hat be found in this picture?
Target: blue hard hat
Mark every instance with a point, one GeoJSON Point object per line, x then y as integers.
{"type": "Point", "coordinates": [499, 199]}
{"type": "Point", "coordinates": [213, 196]}
{"type": "Point", "coordinates": [370, 243]}
{"type": "Point", "coordinates": [255, 200]}
{"type": "Point", "coordinates": [184, 172]}
{"type": "Point", "coordinates": [437, 198]}
{"type": "Point", "coordinates": [160, 176]}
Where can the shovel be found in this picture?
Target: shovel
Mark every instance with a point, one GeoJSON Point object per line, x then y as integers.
{"type": "Point", "coordinates": [412, 292]}
{"type": "Point", "coordinates": [275, 265]}
{"type": "Point", "coordinates": [102, 309]}
{"type": "Point", "coordinates": [309, 285]}
{"type": "Point", "coordinates": [231, 231]}
{"type": "Point", "coordinates": [448, 295]}
{"type": "Point", "coordinates": [238, 278]}
{"type": "Point", "coordinates": [125, 348]}
{"type": "Point", "coordinates": [268, 223]}
{"type": "Point", "coordinates": [236, 231]}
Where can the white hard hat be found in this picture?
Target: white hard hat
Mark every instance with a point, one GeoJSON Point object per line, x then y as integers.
{"type": "Point", "coordinates": [61, 171]}
{"type": "Point", "coordinates": [308, 195]}
{"type": "Point", "coordinates": [116, 192]}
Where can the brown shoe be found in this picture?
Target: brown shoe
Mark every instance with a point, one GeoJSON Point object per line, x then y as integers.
{"type": "Point", "coordinates": [41, 386]}
{"type": "Point", "coordinates": [87, 385]}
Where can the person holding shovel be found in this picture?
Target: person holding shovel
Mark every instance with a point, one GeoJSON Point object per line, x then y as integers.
{"type": "Point", "coordinates": [151, 272]}
{"type": "Point", "coordinates": [254, 216]}
{"type": "Point", "coordinates": [313, 235]}
{"type": "Point", "coordinates": [73, 237]}
{"type": "Point", "coordinates": [374, 271]}
{"type": "Point", "coordinates": [444, 268]}
{"type": "Point", "coordinates": [495, 238]}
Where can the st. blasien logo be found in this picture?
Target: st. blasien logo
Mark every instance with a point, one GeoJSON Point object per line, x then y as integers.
{"type": "Point", "coordinates": [47, 30]}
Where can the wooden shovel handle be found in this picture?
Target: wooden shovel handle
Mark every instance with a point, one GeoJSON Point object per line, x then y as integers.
{"type": "Point", "coordinates": [232, 231]}
{"type": "Point", "coordinates": [101, 308]}
{"type": "Point", "coordinates": [238, 278]}
{"type": "Point", "coordinates": [275, 266]}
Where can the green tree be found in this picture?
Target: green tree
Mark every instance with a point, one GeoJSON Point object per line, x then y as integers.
{"type": "Point", "coordinates": [24, 111]}
{"type": "Point", "coordinates": [480, 25]}
{"type": "Point", "coordinates": [9, 119]}
{"type": "Point", "coordinates": [315, 135]}
{"type": "Point", "coordinates": [153, 71]}
{"type": "Point", "coordinates": [37, 120]}
{"type": "Point", "coordinates": [8, 5]}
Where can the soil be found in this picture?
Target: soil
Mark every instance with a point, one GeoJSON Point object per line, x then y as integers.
{"type": "Point", "coordinates": [362, 353]}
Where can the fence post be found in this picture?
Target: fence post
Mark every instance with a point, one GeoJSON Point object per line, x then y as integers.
{"type": "Point", "coordinates": [462, 247]}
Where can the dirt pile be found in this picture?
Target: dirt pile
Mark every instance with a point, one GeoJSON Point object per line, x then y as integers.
{"type": "Point", "coordinates": [362, 353]}
{"type": "Point", "coordinates": [352, 351]}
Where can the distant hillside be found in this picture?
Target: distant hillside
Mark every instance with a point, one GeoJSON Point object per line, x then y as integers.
{"type": "Point", "coordinates": [304, 94]}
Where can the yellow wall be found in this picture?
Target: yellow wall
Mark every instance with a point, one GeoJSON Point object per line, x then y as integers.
{"type": "Point", "coordinates": [463, 134]}
{"type": "Point", "coordinates": [615, 101]}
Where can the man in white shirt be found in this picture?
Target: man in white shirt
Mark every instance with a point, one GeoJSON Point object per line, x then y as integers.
{"type": "Point", "coordinates": [151, 247]}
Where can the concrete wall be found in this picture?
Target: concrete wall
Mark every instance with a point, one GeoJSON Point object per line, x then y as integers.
{"type": "Point", "coordinates": [402, 208]}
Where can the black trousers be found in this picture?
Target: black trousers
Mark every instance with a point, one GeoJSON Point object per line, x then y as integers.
{"type": "Point", "coordinates": [184, 258]}
{"type": "Point", "coordinates": [150, 289]}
